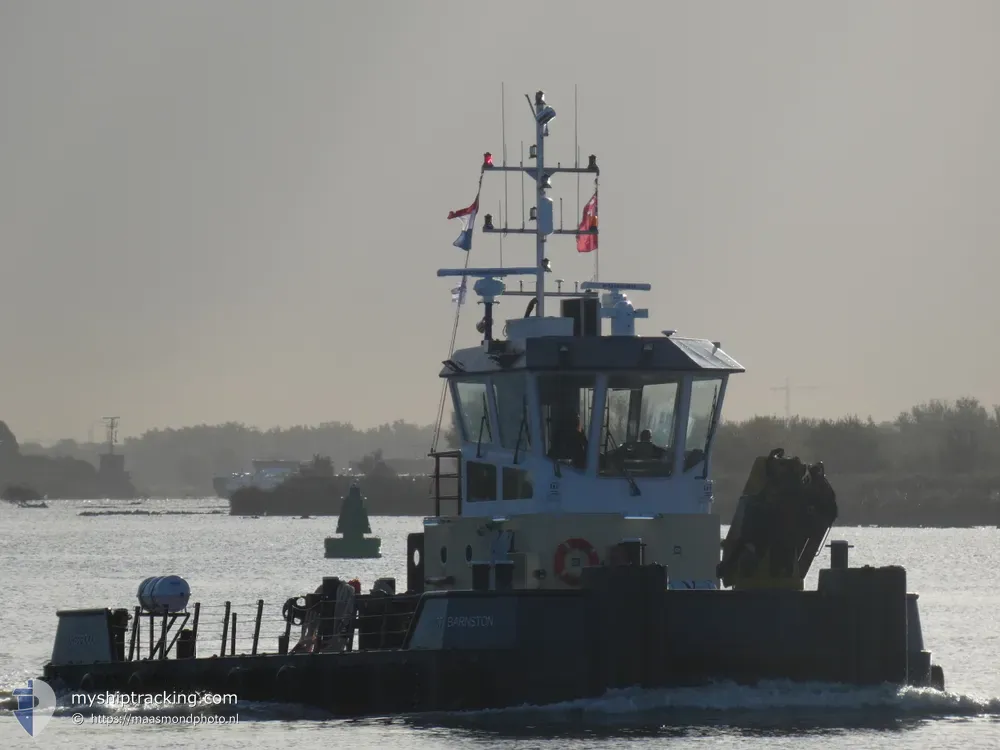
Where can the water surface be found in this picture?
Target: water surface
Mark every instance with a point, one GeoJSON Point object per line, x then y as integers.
{"type": "Point", "coordinates": [57, 559]}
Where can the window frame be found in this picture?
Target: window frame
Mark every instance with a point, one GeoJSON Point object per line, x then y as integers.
{"type": "Point", "coordinates": [713, 425]}
{"type": "Point", "coordinates": [490, 436]}
{"type": "Point", "coordinates": [528, 440]}
{"type": "Point", "coordinates": [539, 408]}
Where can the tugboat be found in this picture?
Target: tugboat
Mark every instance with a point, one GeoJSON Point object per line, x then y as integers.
{"type": "Point", "coordinates": [114, 481]}
{"type": "Point", "coordinates": [352, 525]}
{"type": "Point", "coordinates": [582, 553]}
{"type": "Point", "coordinates": [266, 474]}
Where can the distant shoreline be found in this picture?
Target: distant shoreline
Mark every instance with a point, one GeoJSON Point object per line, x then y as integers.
{"type": "Point", "coordinates": [884, 503]}
{"type": "Point", "coordinates": [940, 459]}
{"type": "Point", "coordinates": [875, 499]}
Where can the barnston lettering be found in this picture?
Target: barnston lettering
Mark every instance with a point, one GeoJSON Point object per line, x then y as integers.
{"type": "Point", "coordinates": [473, 621]}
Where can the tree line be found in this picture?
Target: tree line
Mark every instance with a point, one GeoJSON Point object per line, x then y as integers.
{"type": "Point", "coordinates": [933, 438]}
{"type": "Point", "coordinates": [936, 464]}
{"type": "Point", "coordinates": [942, 455]}
{"type": "Point", "coordinates": [182, 462]}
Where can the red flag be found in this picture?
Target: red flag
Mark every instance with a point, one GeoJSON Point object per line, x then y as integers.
{"type": "Point", "coordinates": [587, 242]}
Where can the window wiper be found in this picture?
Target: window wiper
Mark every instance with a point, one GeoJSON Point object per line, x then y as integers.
{"type": "Point", "coordinates": [483, 425]}
{"type": "Point", "coordinates": [521, 429]}
{"type": "Point", "coordinates": [479, 441]}
{"type": "Point", "coordinates": [549, 445]}
{"type": "Point", "coordinates": [712, 426]}
{"type": "Point", "coordinates": [633, 487]}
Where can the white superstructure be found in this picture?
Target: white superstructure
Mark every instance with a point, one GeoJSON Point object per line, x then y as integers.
{"type": "Point", "coordinates": [573, 441]}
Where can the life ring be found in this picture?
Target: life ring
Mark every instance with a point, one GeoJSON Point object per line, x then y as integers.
{"type": "Point", "coordinates": [573, 545]}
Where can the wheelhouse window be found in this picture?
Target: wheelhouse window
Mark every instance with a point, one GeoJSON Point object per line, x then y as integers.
{"type": "Point", "coordinates": [474, 411]}
{"type": "Point", "coordinates": [567, 402]}
{"type": "Point", "coordinates": [517, 484]}
{"type": "Point", "coordinates": [637, 429]}
{"type": "Point", "coordinates": [511, 391]}
{"type": "Point", "coordinates": [702, 417]}
{"type": "Point", "coordinates": [480, 482]}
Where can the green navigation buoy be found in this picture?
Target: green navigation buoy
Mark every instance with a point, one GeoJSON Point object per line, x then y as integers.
{"type": "Point", "coordinates": [352, 525]}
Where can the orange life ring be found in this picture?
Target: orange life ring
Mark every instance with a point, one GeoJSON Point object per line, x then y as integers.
{"type": "Point", "coordinates": [563, 550]}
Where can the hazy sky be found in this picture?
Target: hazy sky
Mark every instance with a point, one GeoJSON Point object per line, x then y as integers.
{"type": "Point", "coordinates": [227, 210]}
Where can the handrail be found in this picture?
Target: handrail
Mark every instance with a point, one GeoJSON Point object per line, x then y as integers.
{"type": "Point", "coordinates": [376, 621]}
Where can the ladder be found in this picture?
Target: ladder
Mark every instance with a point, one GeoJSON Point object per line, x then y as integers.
{"type": "Point", "coordinates": [452, 480]}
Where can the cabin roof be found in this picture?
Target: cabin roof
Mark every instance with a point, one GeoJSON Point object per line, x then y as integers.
{"type": "Point", "coordinates": [608, 353]}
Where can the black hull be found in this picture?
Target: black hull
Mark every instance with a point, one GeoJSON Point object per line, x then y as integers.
{"type": "Point", "coordinates": [493, 649]}
{"type": "Point", "coordinates": [382, 683]}
{"type": "Point", "coordinates": [323, 496]}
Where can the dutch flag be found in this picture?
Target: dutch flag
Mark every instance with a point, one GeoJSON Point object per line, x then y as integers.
{"type": "Point", "coordinates": [468, 217]}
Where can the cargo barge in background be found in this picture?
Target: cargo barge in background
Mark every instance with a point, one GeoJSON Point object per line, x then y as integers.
{"type": "Point", "coordinates": [266, 473]}
{"type": "Point", "coordinates": [582, 553]}
{"type": "Point", "coordinates": [313, 489]}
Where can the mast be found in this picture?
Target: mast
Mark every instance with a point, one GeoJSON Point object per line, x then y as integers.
{"type": "Point", "coordinates": [112, 433]}
{"type": "Point", "coordinates": [543, 114]}
{"type": "Point", "coordinates": [615, 305]}
{"type": "Point", "coordinates": [542, 212]}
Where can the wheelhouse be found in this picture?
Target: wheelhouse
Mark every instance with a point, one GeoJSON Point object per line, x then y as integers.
{"type": "Point", "coordinates": [587, 423]}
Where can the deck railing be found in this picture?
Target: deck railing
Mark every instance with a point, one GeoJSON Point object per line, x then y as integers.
{"type": "Point", "coordinates": [375, 622]}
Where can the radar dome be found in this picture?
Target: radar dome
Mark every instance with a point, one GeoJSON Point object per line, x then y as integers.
{"type": "Point", "coordinates": [161, 594]}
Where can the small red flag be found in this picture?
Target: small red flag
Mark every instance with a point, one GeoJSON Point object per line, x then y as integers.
{"type": "Point", "coordinates": [588, 242]}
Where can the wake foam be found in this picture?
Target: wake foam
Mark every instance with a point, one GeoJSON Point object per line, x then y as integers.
{"type": "Point", "coordinates": [776, 703]}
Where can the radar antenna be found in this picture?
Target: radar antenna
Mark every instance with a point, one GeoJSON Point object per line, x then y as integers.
{"type": "Point", "coordinates": [489, 287]}
{"type": "Point", "coordinates": [616, 306]}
